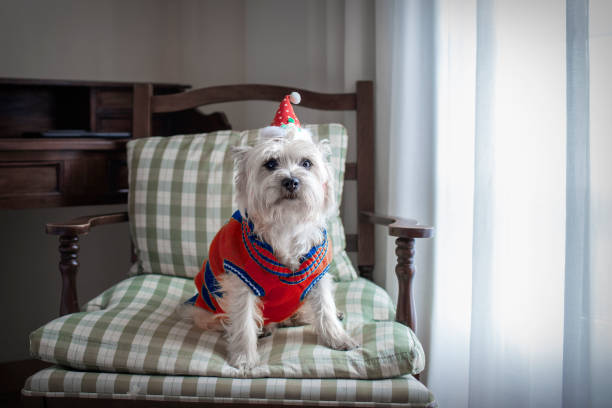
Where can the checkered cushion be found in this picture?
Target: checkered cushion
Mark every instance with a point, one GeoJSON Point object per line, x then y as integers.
{"type": "Point", "coordinates": [133, 328]}
{"type": "Point", "coordinates": [402, 391]}
{"type": "Point", "coordinates": [182, 192]}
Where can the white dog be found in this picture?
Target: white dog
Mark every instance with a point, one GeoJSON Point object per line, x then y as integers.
{"type": "Point", "coordinates": [284, 192]}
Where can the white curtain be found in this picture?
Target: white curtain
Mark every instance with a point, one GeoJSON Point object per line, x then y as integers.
{"type": "Point", "coordinates": [521, 307]}
{"type": "Point", "coordinates": [405, 125]}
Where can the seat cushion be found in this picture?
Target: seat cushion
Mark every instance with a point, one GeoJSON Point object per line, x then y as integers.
{"type": "Point", "coordinates": [134, 328]}
{"type": "Point", "coordinates": [404, 391]}
{"type": "Point", "coordinates": [182, 192]}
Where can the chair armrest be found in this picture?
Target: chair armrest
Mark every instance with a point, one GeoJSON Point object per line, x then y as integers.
{"type": "Point", "coordinates": [399, 227]}
{"type": "Point", "coordinates": [69, 247]}
{"type": "Point", "coordinates": [82, 225]}
{"type": "Point", "coordinates": [407, 231]}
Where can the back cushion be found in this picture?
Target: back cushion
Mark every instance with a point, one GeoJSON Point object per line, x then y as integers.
{"type": "Point", "coordinates": [182, 193]}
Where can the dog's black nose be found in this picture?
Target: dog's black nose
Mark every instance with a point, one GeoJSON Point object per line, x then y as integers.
{"type": "Point", "coordinates": [291, 184]}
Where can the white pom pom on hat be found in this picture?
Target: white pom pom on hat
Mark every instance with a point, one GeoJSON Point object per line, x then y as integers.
{"type": "Point", "coordinates": [295, 98]}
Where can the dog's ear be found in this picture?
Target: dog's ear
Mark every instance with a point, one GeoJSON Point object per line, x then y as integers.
{"type": "Point", "coordinates": [239, 153]}
{"type": "Point", "coordinates": [330, 190]}
{"type": "Point", "coordinates": [330, 197]}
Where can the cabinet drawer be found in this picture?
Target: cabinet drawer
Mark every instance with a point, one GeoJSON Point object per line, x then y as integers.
{"type": "Point", "coordinates": [29, 177]}
{"type": "Point", "coordinates": [114, 124]}
{"type": "Point", "coordinates": [114, 99]}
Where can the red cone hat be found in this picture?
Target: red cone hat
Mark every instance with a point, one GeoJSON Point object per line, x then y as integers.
{"type": "Point", "coordinates": [285, 115]}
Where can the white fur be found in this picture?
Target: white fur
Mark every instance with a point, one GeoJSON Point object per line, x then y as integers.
{"type": "Point", "coordinates": [292, 223]}
{"type": "Point", "coordinates": [320, 311]}
{"type": "Point", "coordinates": [243, 323]}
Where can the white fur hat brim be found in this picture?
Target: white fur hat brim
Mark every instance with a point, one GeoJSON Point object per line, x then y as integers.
{"type": "Point", "coordinates": [289, 133]}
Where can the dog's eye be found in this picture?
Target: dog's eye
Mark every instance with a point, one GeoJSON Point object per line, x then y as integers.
{"type": "Point", "coordinates": [271, 164]}
{"type": "Point", "coordinates": [306, 163]}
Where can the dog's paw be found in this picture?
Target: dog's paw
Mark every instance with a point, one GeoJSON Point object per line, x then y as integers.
{"type": "Point", "coordinates": [339, 340]}
{"type": "Point", "coordinates": [344, 343]}
{"type": "Point", "coordinates": [243, 361]}
{"type": "Point", "coordinates": [268, 329]}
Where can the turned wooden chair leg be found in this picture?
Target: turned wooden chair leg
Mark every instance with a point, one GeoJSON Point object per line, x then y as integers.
{"type": "Point", "coordinates": [405, 271]}
{"type": "Point", "coordinates": [367, 272]}
{"type": "Point", "coordinates": [69, 266]}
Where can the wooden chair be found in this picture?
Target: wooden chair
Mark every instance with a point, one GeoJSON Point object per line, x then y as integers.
{"type": "Point", "coordinates": [362, 102]}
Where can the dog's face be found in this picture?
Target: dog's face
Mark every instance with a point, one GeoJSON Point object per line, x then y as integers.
{"type": "Point", "coordinates": [285, 177]}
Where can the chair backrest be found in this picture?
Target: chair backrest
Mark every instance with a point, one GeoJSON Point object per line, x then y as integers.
{"type": "Point", "coordinates": [362, 171]}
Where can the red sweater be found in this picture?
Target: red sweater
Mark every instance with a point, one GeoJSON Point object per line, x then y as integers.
{"type": "Point", "coordinates": [236, 249]}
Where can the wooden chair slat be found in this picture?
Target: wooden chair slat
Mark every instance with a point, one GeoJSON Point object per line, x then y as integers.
{"type": "Point", "coordinates": [249, 92]}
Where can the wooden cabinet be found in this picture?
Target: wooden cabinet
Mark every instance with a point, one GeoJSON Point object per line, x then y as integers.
{"type": "Point", "coordinates": [49, 172]}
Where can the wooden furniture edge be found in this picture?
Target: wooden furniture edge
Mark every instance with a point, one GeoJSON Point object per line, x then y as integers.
{"type": "Point", "coordinates": [245, 92]}
{"type": "Point", "coordinates": [46, 144]}
{"type": "Point", "coordinates": [141, 111]}
{"type": "Point", "coordinates": [398, 226]}
{"type": "Point", "coordinates": [78, 82]}
{"type": "Point", "coordinates": [407, 230]}
{"type": "Point", "coordinates": [69, 247]}
{"type": "Point", "coordinates": [82, 225]}
{"type": "Point", "coordinates": [364, 91]}
{"type": "Point", "coordinates": [76, 402]}
{"type": "Point", "coordinates": [14, 375]}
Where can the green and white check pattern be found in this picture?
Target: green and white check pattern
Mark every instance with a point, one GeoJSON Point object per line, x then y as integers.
{"type": "Point", "coordinates": [402, 391]}
{"type": "Point", "coordinates": [182, 193]}
{"type": "Point", "coordinates": [134, 328]}
{"type": "Point", "coordinates": [132, 344]}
